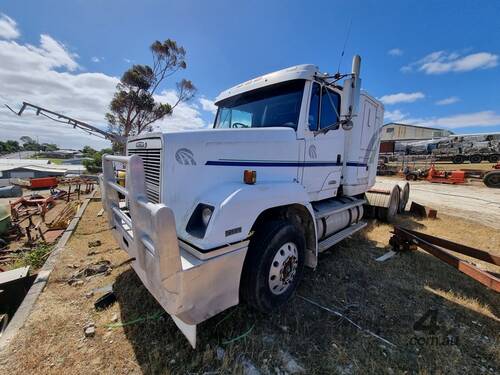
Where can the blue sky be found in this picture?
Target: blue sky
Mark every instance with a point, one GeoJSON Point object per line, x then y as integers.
{"type": "Point", "coordinates": [433, 63]}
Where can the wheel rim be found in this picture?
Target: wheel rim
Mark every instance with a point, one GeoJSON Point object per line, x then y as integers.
{"type": "Point", "coordinates": [283, 268]}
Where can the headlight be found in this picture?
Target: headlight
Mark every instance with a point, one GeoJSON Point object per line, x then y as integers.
{"type": "Point", "coordinates": [206, 214]}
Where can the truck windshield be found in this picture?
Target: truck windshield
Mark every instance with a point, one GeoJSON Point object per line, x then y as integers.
{"type": "Point", "coordinates": [271, 106]}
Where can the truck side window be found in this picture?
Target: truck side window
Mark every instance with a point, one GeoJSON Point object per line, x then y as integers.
{"type": "Point", "coordinates": [330, 108]}
{"type": "Point", "coordinates": [224, 118]}
{"type": "Point", "coordinates": [314, 108]}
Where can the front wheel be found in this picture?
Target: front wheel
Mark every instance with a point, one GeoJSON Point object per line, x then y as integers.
{"type": "Point", "coordinates": [274, 265]}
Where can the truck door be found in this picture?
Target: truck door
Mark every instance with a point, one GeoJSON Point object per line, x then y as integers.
{"type": "Point", "coordinates": [323, 156]}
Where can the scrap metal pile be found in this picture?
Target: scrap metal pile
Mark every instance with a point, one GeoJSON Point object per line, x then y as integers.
{"type": "Point", "coordinates": [25, 222]}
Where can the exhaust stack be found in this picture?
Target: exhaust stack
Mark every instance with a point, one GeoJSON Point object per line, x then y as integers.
{"type": "Point", "coordinates": [356, 65]}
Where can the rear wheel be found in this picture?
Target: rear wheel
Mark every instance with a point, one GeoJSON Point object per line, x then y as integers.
{"type": "Point", "coordinates": [273, 266]}
{"type": "Point", "coordinates": [492, 179]}
{"type": "Point", "coordinates": [458, 159]}
{"type": "Point", "coordinates": [412, 176]}
{"type": "Point", "coordinates": [494, 158]}
{"type": "Point", "coordinates": [475, 159]}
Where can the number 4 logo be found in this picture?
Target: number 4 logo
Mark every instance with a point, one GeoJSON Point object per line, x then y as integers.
{"type": "Point", "coordinates": [432, 327]}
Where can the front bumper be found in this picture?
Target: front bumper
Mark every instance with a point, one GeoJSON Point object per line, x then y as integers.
{"type": "Point", "coordinates": [190, 289]}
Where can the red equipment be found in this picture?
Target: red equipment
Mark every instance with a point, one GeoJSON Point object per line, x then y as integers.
{"type": "Point", "coordinates": [43, 182]}
{"type": "Point", "coordinates": [445, 177]}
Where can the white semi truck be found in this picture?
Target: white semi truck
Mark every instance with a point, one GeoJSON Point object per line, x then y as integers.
{"type": "Point", "coordinates": [214, 217]}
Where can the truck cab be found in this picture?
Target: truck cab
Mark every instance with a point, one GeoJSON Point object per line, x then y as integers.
{"type": "Point", "coordinates": [215, 216]}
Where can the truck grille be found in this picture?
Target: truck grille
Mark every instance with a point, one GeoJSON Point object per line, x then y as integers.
{"type": "Point", "coordinates": [151, 158]}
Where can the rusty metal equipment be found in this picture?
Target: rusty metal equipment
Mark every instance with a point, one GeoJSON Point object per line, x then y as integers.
{"type": "Point", "coordinates": [406, 239]}
{"type": "Point", "coordinates": [445, 177]}
{"type": "Point", "coordinates": [25, 206]}
{"type": "Point", "coordinates": [76, 185]}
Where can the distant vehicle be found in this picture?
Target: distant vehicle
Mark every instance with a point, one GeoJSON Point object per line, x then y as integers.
{"type": "Point", "coordinates": [474, 148]}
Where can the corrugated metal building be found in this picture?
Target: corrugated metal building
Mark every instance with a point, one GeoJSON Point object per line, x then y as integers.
{"type": "Point", "coordinates": [394, 132]}
{"type": "Point", "coordinates": [403, 132]}
{"type": "Point", "coordinates": [30, 171]}
{"type": "Point", "coordinates": [11, 169]}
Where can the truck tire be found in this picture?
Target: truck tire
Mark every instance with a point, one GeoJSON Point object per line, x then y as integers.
{"type": "Point", "coordinates": [412, 176]}
{"type": "Point", "coordinates": [492, 179]}
{"type": "Point", "coordinates": [458, 159]}
{"type": "Point", "coordinates": [273, 266]}
{"type": "Point", "coordinates": [476, 159]}
{"type": "Point", "coordinates": [494, 158]}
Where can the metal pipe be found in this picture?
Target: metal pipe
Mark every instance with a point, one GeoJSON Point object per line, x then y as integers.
{"type": "Point", "coordinates": [118, 188]}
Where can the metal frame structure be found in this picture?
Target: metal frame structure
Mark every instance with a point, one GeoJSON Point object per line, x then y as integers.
{"type": "Point", "coordinates": [406, 239]}
{"type": "Point", "coordinates": [70, 121]}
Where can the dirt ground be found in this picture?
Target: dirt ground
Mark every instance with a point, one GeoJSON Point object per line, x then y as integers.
{"type": "Point", "coordinates": [134, 336]}
{"type": "Point", "coordinates": [473, 201]}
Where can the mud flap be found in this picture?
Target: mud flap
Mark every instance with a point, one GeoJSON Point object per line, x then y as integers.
{"type": "Point", "coordinates": [187, 329]}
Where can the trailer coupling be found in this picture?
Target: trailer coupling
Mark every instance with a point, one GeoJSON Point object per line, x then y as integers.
{"type": "Point", "coordinates": [189, 288]}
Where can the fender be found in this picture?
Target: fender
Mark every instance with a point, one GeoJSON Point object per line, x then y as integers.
{"type": "Point", "coordinates": [237, 207]}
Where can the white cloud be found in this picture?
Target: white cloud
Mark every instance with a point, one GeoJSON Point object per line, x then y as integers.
{"type": "Point", "coordinates": [394, 116]}
{"type": "Point", "coordinates": [48, 75]}
{"type": "Point", "coordinates": [128, 61]}
{"type": "Point", "coordinates": [395, 52]}
{"type": "Point", "coordinates": [440, 62]}
{"type": "Point", "coordinates": [402, 98]}
{"type": "Point", "coordinates": [448, 101]}
{"type": "Point", "coordinates": [95, 59]}
{"type": "Point", "coordinates": [184, 117]}
{"type": "Point", "coordinates": [8, 28]}
{"type": "Point", "coordinates": [462, 120]}
{"type": "Point", "coordinates": [208, 105]}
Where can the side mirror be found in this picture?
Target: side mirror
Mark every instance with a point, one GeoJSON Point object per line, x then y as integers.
{"type": "Point", "coordinates": [351, 92]}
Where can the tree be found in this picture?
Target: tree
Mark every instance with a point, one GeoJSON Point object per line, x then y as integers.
{"type": "Point", "coordinates": [48, 147]}
{"type": "Point", "coordinates": [29, 144]}
{"type": "Point", "coordinates": [95, 164]}
{"type": "Point", "coordinates": [133, 108]}
{"type": "Point", "coordinates": [12, 146]}
{"type": "Point", "coordinates": [88, 152]}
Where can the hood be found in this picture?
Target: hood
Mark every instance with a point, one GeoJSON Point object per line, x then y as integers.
{"type": "Point", "coordinates": [194, 163]}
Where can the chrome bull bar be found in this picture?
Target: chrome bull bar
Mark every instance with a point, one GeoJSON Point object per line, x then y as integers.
{"type": "Point", "coordinates": [153, 232]}
{"type": "Point", "coordinates": [191, 290]}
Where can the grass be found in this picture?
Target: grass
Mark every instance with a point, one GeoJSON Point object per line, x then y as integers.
{"type": "Point", "coordinates": [35, 257]}
{"type": "Point", "coordinates": [385, 298]}
{"type": "Point", "coordinates": [52, 160]}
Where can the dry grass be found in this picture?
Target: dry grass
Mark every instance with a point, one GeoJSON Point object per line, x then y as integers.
{"type": "Point", "coordinates": [386, 298]}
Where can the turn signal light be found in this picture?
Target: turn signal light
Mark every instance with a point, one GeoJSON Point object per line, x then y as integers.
{"type": "Point", "coordinates": [249, 177]}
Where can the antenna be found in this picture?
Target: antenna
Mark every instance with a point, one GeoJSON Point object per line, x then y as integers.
{"type": "Point", "coordinates": [345, 43]}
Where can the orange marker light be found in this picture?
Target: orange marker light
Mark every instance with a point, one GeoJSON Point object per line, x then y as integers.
{"type": "Point", "coordinates": [249, 177]}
